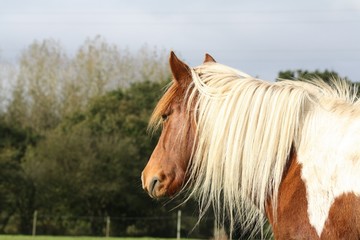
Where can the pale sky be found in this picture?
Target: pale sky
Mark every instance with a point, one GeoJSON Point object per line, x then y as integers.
{"type": "Point", "coordinates": [258, 37]}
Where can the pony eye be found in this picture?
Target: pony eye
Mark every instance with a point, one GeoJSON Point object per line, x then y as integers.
{"type": "Point", "coordinates": [164, 117]}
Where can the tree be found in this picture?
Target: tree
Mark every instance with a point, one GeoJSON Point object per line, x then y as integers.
{"type": "Point", "coordinates": [326, 75]}
{"type": "Point", "coordinates": [17, 191]}
{"type": "Point", "coordinates": [299, 75]}
{"type": "Point", "coordinates": [85, 165]}
{"type": "Point", "coordinates": [78, 126]}
{"type": "Point", "coordinates": [99, 67]}
{"type": "Point", "coordinates": [8, 74]}
{"type": "Point", "coordinates": [49, 85]}
{"type": "Point", "coordinates": [35, 100]}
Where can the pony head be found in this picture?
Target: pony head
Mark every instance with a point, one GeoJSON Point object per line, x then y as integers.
{"type": "Point", "coordinates": [165, 172]}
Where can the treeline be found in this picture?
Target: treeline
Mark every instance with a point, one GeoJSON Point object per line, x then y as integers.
{"type": "Point", "coordinates": [73, 141]}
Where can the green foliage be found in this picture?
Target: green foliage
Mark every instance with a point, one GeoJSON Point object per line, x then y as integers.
{"type": "Point", "coordinates": [326, 75]}
{"type": "Point", "coordinates": [16, 189]}
{"type": "Point", "coordinates": [299, 75]}
{"type": "Point", "coordinates": [86, 164]}
{"type": "Point", "coordinates": [50, 85]}
{"type": "Point", "coordinates": [73, 137]}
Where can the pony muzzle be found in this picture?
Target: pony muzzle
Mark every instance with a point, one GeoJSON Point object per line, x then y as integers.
{"type": "Point", "coordinates": [152, 186]}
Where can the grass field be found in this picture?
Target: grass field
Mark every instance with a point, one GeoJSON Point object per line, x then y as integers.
{"type": "Point", "coordinates": [17, 237]}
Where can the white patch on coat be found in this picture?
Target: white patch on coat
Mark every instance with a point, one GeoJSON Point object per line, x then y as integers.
{"type": "Point", "coordinates": [330, 158]}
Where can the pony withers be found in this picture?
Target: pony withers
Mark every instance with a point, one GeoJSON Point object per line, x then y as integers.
{"type": "Point", "coordinates": [249, 148]}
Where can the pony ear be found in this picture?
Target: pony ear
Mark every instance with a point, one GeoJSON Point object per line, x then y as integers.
{"type": "Point", "coordinates": [209, 58]}
{"type": "Point", "coordinates": [180, 71]}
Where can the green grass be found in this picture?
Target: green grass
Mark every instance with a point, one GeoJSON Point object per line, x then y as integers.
{"type": "Point", "coordinates": [19, 237]}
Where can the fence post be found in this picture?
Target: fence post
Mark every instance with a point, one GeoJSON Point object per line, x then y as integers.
{"type": "Point", "coordinates": [107, 230]}
{"type": "Point", "coordinates": [178, 225]}
{"type": "Point", "coordinates": [34, 223]}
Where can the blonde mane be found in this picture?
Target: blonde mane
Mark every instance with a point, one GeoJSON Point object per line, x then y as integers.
{"type": "Point", "coordinates": [246, 129]}
{"type": "Point", "coordinates": [171, 93]}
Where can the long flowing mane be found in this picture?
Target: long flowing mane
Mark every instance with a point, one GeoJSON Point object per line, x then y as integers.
{"type": "Point", "coordinates": [246, 129]}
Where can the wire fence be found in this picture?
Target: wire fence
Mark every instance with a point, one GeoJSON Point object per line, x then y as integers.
{"type": "Point", "coordinates": [175, 225]}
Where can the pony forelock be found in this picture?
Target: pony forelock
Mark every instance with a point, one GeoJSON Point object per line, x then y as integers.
{"type": "Point", "coordinates": [164, 103]}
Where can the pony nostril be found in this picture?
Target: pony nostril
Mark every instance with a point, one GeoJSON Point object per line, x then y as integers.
{"type": "Point", "coordinates": [153, 184]}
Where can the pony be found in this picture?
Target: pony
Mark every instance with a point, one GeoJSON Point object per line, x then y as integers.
{"type": "Point", "coordinates": [250, 149]}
